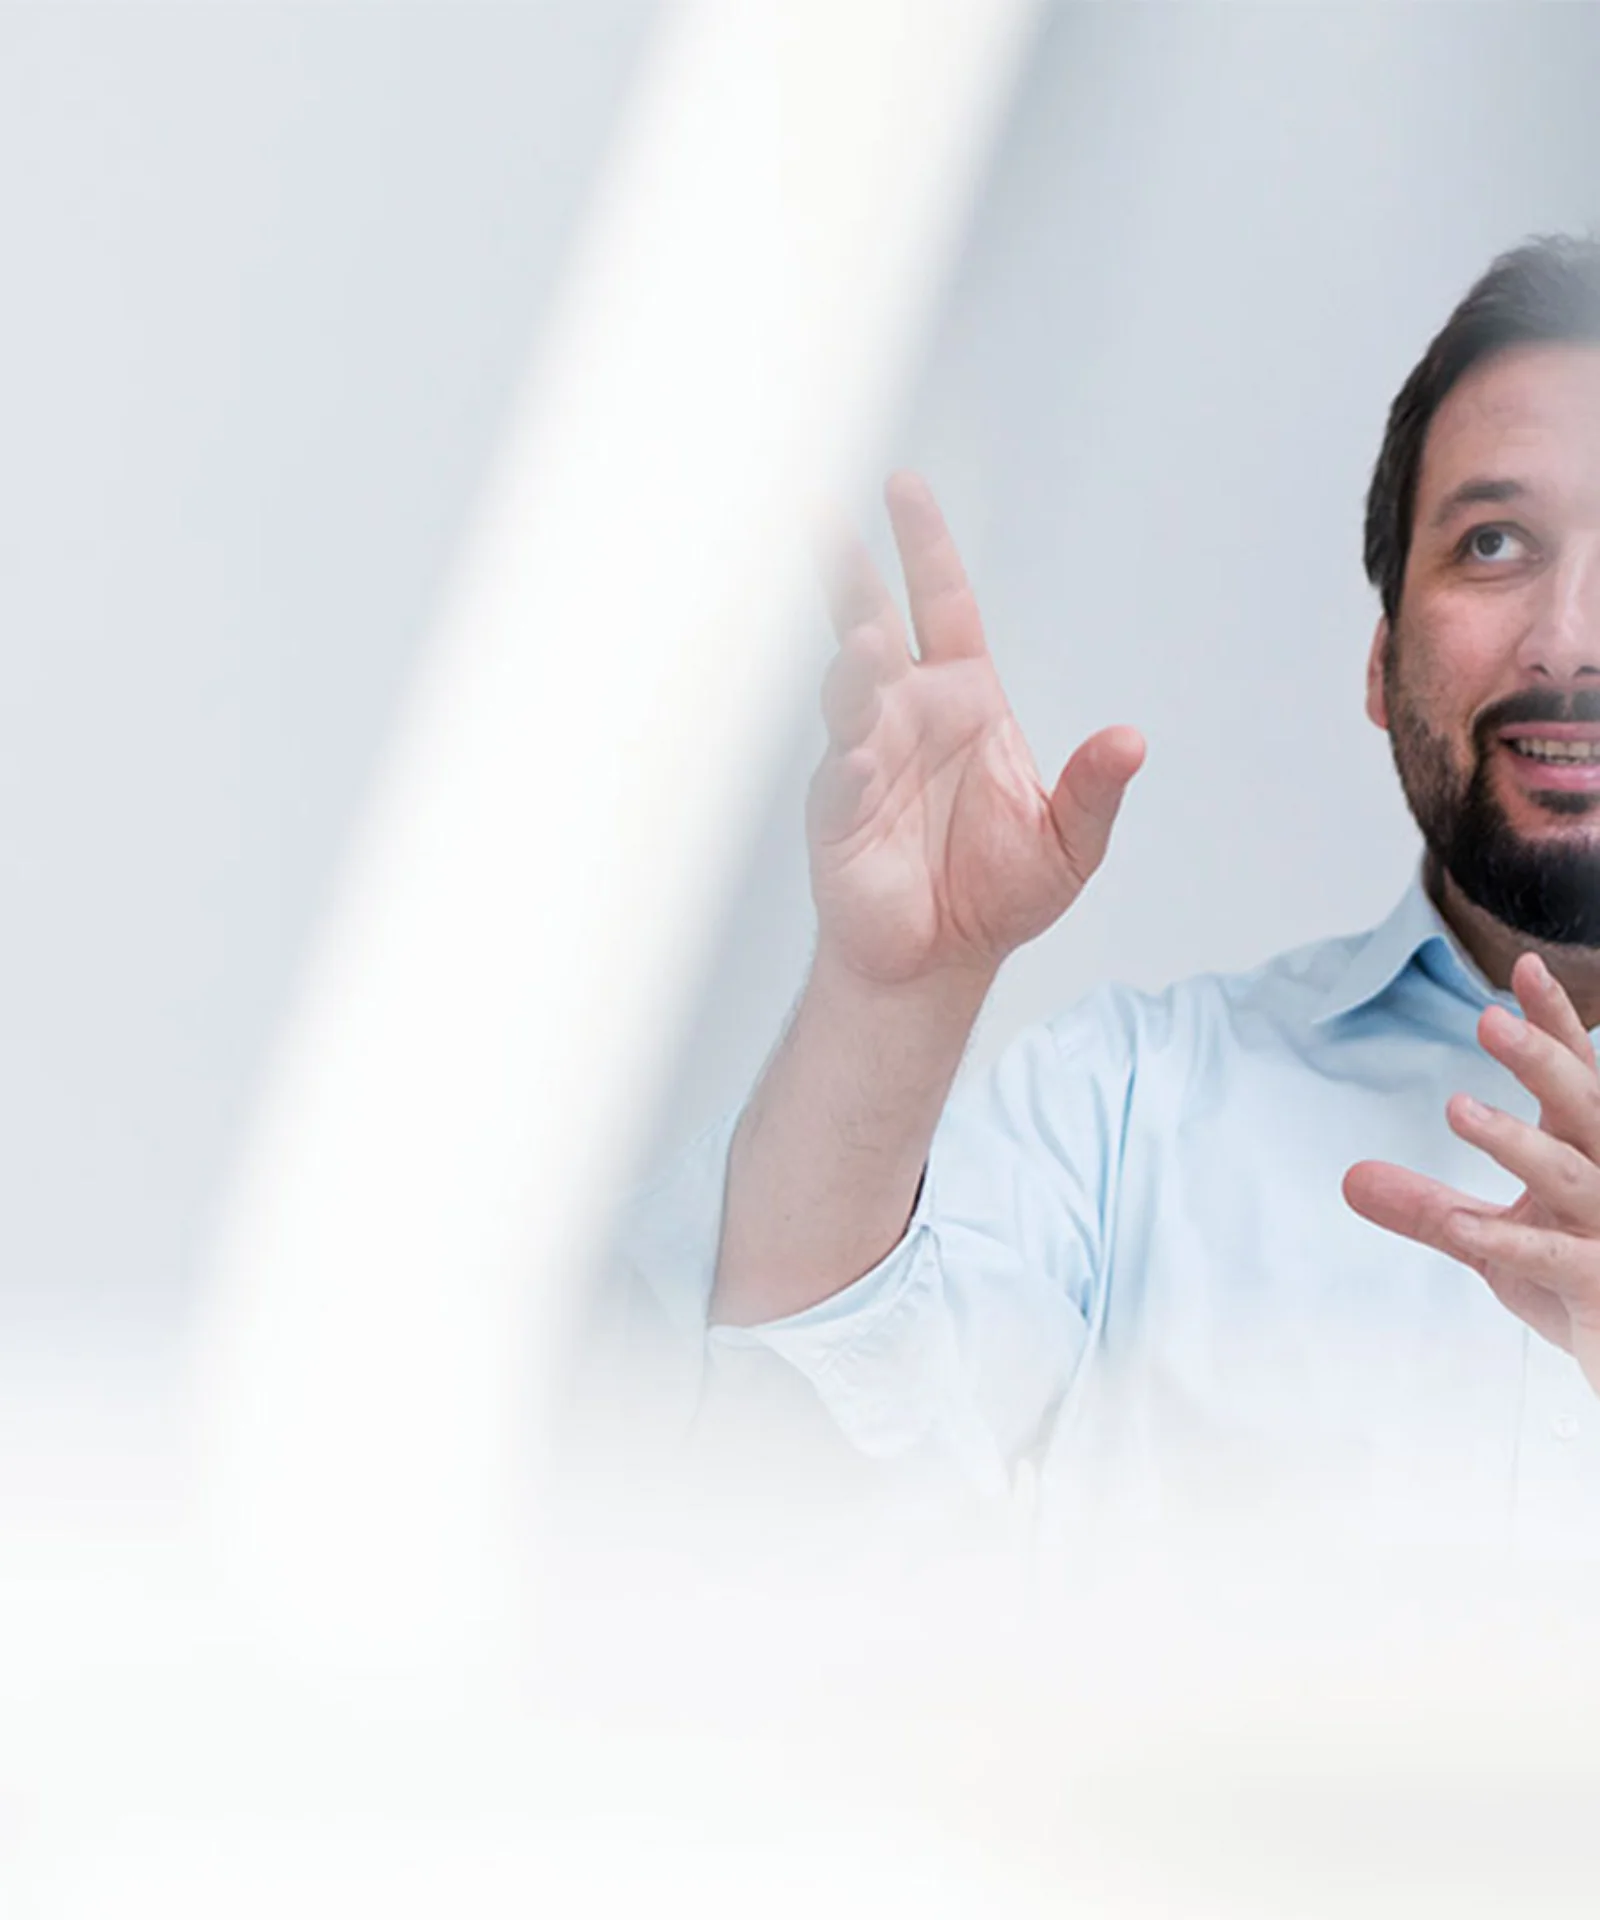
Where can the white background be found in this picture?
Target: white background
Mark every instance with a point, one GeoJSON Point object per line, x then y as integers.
{"type": "Point", "coordinates": [270, 274]}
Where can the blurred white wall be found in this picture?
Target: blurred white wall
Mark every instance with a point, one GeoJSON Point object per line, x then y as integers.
{"type": "Point", "coordinates": [270, 273]}
{"type": "Point", "coordinates": [1214, 241]}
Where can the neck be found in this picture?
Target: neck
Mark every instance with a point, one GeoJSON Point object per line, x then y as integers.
{"type": "Point", "coordinates": [1494, 946]}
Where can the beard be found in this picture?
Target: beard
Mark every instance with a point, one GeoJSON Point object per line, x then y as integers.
{"type": "Point", "coordinates": [1546, 890]}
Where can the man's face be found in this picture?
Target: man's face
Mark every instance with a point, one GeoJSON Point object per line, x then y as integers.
{"type": "Point", "coordinates": [1489, 683]}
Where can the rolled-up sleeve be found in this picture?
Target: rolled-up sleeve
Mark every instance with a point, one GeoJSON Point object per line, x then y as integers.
{"type": "Point", "coordinates": [959, 1344]}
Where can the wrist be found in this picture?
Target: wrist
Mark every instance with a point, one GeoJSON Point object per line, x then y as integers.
{"type": "Point", "coordinates": [943, 996]}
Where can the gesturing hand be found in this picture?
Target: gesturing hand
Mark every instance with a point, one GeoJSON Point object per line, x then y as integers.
{"type": "Point", "coordinates": [933, 844]}
{"type": "Point", "coordinates": [1541, 1255]}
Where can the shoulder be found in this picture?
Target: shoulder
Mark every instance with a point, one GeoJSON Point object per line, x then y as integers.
{"type": "Point", "coordinates": [1286, 992]}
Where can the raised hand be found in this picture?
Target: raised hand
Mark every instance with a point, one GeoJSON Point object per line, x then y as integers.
{"type": "Point", "coordinates": [934, 845]}
{"type": "Point", "coordinates": [1541, 1255]}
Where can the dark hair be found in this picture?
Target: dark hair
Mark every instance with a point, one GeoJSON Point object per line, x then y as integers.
{"type": "Point", "coordinates": [1546, 291]}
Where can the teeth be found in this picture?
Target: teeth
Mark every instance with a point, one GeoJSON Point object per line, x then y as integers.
{"type": "Point", "coordinates": [1559, 752]}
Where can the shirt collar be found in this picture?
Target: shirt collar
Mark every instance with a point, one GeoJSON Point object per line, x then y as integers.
{"type": "Point", "coordinates": [1414, 933]}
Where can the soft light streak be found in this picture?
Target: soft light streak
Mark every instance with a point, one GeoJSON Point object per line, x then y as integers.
{"type": "Point", "coordinates": [522, 909]}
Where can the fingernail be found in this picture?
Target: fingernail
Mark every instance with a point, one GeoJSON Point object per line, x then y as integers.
{"type": "Point", "coordinates": [1508, 1025]}
{"type": "Point", "coordinates": [1466, 1227]}
{"type": "Point", "coordinates": [1473, 1109]}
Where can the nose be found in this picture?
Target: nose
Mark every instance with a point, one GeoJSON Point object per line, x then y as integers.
{"type": "Point", "coordinates": [1563, 643]}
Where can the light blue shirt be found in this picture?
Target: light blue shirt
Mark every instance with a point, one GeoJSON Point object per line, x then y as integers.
{"type": "Point", "coordinates": [1132, 1283]}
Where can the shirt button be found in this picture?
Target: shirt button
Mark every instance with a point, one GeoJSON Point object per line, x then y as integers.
{"type": "Point", "coordinates": [1564, 1427]}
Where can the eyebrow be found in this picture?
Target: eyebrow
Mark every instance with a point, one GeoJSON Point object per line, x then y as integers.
{"type": "Point", "coordinates": [1476, 493]}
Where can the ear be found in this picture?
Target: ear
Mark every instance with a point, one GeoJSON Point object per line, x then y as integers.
{"type": "Point", "coordinates": [1377, 706]}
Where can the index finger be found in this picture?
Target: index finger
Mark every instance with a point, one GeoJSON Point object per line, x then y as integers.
{"type": "Point", "coordinates": [944, 612]}
{"type": "Point", "coordinates": [1411, 1204]}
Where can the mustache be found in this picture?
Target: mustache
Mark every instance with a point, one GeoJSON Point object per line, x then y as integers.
{"type": "Point", "coordinates": [1533, 704]}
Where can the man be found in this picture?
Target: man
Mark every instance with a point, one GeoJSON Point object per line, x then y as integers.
{"type": "Point", "coordinates": [1139, 1255]}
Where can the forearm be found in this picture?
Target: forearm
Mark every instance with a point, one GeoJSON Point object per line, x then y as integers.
{"type": "Point", "coordinates": [825, 1163]}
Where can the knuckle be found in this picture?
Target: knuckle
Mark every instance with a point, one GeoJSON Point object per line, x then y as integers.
{"type": "Point", "coordinates": [1079, 861]}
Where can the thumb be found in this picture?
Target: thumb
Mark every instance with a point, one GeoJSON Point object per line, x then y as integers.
{"type": "Point", "coordinates": [1089, 792]}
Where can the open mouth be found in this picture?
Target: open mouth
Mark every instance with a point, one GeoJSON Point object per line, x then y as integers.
{"type": "Point", "coordinates": [1554, 755]}
{"type": "Point", "coordinates": [1558, 753]}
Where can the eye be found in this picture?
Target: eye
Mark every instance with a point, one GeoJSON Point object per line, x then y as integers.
{"type": "Point", "coordinates": [1495, 545]}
